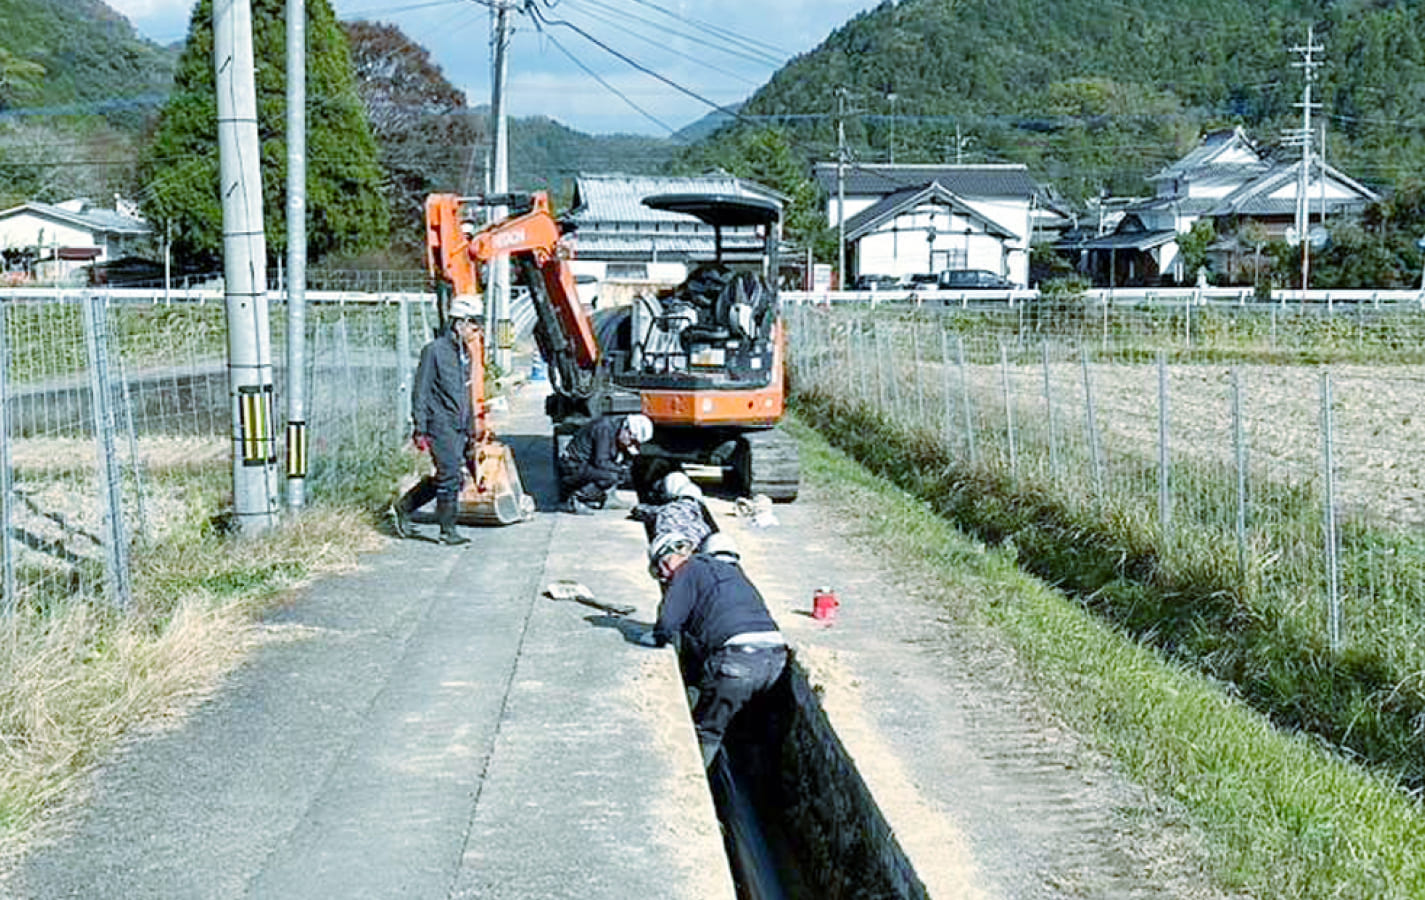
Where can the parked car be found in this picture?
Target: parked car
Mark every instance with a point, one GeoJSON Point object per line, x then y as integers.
{"type": "Point", "coordinates": [971, 279]}
{"type": "Point", "coordinates": [923, 281]}
{"type": "Point", "coordinates": [875, 283]}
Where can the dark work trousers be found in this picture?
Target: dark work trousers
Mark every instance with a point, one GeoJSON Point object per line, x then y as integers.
{"type": "Point", "coordinates": [447, 451]}
{"type": "Point", "coordinates": [729, 679]}
{"type": "Point", "coordinates": [590, 484]}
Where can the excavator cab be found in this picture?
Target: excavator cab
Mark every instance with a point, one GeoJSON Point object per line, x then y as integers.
{"type": "Point", "coordinates": [704, 359]}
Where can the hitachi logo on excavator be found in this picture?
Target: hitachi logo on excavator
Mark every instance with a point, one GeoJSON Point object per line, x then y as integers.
{"type": "Point", "coordinates": [507, 238]}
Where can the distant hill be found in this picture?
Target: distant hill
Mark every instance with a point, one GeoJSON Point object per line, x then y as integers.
{"type": "Point", "coordinates": [546, 155]}
{"type": "Point", "coordinates": [1095, 94]}
{"type": "Point", "coordinates": [91, 60]}
{"type": "Point", "coordinates": [705, 126]}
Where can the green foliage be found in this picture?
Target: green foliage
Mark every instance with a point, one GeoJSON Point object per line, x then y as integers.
{"type": "Point", "coordinates": [1092, 97]}
{"type": "Point", "coordinates": [55, 52]}
{"type": "Point", "coordinates": [347, 210]}
{"type": "Point", "coordinates": [1193, 246]}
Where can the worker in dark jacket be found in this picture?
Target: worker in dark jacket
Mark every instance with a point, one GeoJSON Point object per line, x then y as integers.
{"type": "Point", "coordinates": [731, 646]}
{"type": "Point", "coordinates": [441, 421]}
{"type": "Point", "coordinates": [599, 458]}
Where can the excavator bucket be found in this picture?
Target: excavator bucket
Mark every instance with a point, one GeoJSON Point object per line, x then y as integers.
{"type": "Point", "coordinates": [493, 493]}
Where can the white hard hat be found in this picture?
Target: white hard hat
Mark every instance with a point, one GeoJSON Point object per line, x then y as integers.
{"type": "Point", "coordinates": [466, 306]}
{"type": "Point", "coordinates": [639, 427]}
{"type": "Point", "coordinates": [677, 484]}
{"type": "Point", "coordinates": [720, 545]}
{"type": "Point", "coordinates": [667, 544]}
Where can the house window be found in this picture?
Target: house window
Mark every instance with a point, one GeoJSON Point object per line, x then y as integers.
{"type": "Point", "coordinates": [630, 271]}
{"type": "Point", "coordinates": [940, 260]}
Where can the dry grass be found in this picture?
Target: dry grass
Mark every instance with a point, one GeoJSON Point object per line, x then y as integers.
{"type": "Point", "coordinates": [75, 679]}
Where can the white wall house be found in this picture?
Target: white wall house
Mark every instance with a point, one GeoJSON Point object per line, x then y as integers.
{"type": "Point", "coordinates": [903, 220]}
{"type": "Point", "coordinates": [54, 241]}
{"type": "Point", "coordinates": [1228, 181]}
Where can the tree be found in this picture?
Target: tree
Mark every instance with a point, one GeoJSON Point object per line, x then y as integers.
{"type": "Point", "coordinates": [179, 167]}
{"type": "Point", "coordinates": [1193, 247]}
{"type": "Point", "coordinates": [419, 120]}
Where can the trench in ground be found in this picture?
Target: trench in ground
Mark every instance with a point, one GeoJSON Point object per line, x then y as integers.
{"type": "Point", "coordinates": [797, 818]}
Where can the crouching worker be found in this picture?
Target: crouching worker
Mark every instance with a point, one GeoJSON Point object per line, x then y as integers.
{"type": "Point", "coordinates": [731, 647]}
{"type": "Point", "coordinates": [599, 458]}
{"type": "Point", "coordinates": [441, 421]}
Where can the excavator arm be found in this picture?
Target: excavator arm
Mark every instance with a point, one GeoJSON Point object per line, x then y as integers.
{"type": "Point", "coordinates": [532, 239]}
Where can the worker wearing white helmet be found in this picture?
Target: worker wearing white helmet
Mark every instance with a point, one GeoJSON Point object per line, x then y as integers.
{"type": "Point", "coordinates": [441, 420]}
{"type": "Point", "coordinates": [599, 459]}
{"type": "Point", "coordinates": [682, 511]}
{"type": "Point", "coordinates": [731, 646]}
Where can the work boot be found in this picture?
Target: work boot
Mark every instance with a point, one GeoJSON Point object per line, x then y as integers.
{"type": "Point", "coordinates": [400, 520]}
{"type": "Point", "coordinates": [445, 511]}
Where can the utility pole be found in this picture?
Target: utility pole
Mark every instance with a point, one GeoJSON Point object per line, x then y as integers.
{"type": "Point", "coordinates": [841, 188]}
{"type": "Point", "coordinates": [255, 495]}
{"type": "Point", "coordinates": [297, 253]}
{"type": "Point", "coordinates": [892, 98]}
{"type": "Point", "coordinates": [497, 292]}
{"type": "Point", "coordinates": [1308, 65]}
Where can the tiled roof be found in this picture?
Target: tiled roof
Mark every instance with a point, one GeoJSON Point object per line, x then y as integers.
{"type": "Point", "coordinates": [908, 199]}
{"type": "Point", "coordinates": [619, 198]}
{"type": "Point", "coordinates": [107, 221]}
{"type": "Point", "coordinates": [1000, 180]}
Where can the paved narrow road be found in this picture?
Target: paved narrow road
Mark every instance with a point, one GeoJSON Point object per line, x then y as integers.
{"type": "Point", "coordinates": [430, 727]}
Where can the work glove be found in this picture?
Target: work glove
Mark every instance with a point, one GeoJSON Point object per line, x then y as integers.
{"type": "Point", "coordinates": [421, 442]}
{"type": "Point", "coordinates": [647, 639]}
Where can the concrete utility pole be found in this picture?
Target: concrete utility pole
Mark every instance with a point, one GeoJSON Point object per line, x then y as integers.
{"type": "Point", "coordinates": [498, 290]}
{"type": "Point", "coordinates": [841, 280]}
{"type": "Point", "coordinates": [1309, 66]}
{"type": "Point", "coordinates": [297, 253]}
{"type": "Point", "coordinates": [892, 98]}
{"type": "Point", "coordinates": [255, 495]}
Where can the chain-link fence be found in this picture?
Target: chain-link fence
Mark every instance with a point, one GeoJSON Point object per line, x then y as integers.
{"type": "Point", "coordinates": [1274, 453]}
{"type": "Point", "coordinates": [116, 425]}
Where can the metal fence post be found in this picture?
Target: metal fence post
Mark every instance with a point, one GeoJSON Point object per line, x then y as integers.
{"type": "Point", "coordinates": [1049, 415]}
{"type": "Point", "coordinates": [1008, 410]}
{"type": "Point", "coordinates": [1091, 426]}
{"type": "Point", "coordinates": [965, 398]}
{"type": "Point", "coordinates": [1165, 502]}
{"type": "Point", "coordinates": [919, 377]}
{"type": "Point", "coordinates": [403, 365]}
{"type": "Point", "coordinates": [116, 568]}
{"type": "Point", "coordinates": [1239, 446]}
{"type": "Point", "coordinates": [880, 371]}
{"type": "Point", "coordinates": [8, 601]}
{"type": "Point", "coordinates": [861, 364]}
{"type": "Point", "coordinates": [945, 384]}
{"type": "Point", "coordinates": [1328, 472]}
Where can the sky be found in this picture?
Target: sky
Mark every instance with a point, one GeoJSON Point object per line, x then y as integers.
{"type": "Point", "coordinates": [714, 50]}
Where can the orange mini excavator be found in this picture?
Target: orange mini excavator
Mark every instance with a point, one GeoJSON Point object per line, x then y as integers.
{"type": "Point", "coordinates": [704, 360]}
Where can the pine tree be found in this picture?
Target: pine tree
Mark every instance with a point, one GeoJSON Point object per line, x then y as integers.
{"type": "Point", "coordinates": [179, 168]}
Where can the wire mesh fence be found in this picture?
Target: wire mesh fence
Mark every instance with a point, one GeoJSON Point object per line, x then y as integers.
{"type": "Point", "coordinates": [1273, 455]}
{"type": "Point", "coordinates": [117, 424]}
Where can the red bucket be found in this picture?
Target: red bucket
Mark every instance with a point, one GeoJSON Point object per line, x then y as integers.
{"type": "Point", "coordinates": [824, 604]}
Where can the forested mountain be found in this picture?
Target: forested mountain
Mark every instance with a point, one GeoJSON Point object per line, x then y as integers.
{"type": "Point", "coordinates": [1095, 94]}
{"type": "Point", "coordinates": [81, 54]}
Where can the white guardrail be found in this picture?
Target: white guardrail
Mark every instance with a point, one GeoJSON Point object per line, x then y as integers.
{"type": "Point", "coordinates": [1137, 296]}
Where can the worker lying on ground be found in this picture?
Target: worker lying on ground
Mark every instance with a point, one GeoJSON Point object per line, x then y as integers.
{"type": "Point", "coordinates": [681, 511]}
{"type": "Point", "coordinates": [598, 459]}
{"type": "Point", "coordinates": [730, 644]}
{"type": "Point", "coordinates": [441, 420]}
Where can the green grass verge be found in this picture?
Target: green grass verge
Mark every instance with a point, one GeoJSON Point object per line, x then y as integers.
{"type": "Point", "coordinates": [76, 674]}
{"type": "Point", "coordinates": [1284, 816]}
